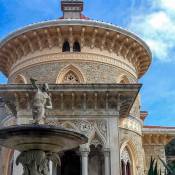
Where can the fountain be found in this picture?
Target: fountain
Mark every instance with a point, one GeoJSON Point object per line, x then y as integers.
{"type": "Point", "coordinates": [37, 142]}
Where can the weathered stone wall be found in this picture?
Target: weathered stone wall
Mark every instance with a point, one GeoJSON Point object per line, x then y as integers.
{"type": "Point", "coordinates": [93, 72]}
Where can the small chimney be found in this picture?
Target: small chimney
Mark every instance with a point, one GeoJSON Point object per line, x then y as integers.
{"type": "Point", "coordinates": [72, 9]}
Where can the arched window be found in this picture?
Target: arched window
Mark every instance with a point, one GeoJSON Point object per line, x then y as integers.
{"type": "Point", "coordinates": [70, 75]}
{"type": "Point", "coordinates": [125, 162]}
{"type": "Point", "coordinates": [66, 47]}
{"type": "Point", "coordinates": [76, 47]}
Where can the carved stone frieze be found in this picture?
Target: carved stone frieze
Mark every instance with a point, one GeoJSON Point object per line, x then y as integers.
{"type": "Point", "coordinates": [86, 127]}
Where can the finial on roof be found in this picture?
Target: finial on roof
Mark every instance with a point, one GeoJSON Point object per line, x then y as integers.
{"type": "Point", "coordinates": [72, 9]}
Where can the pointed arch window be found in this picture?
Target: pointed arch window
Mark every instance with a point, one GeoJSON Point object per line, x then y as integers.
{"type": "Point", "coordinates": [125, 162]}
{"type": "Point", "coordinates": [76, 47]}
{"type": "Point", "coordinates": [66, 47]}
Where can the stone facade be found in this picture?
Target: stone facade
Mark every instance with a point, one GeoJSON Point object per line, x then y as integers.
{"type": "Point", "coordinates": [105, 54]}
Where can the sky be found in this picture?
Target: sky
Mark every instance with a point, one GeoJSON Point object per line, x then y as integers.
{"type": "Point", "coordinates": [152, 20]}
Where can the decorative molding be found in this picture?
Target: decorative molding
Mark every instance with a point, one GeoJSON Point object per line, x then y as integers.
{"type": "Point", "coordinates": [95, 130]}
{"type": "Point", "coordinates": [62, 57]}
{"type": "Point", "coordinates": [117, 41]}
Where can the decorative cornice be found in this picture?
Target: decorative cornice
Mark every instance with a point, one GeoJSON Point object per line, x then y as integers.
{"type": "Point", "coordinates": [116, 97]}
{"type": "Point", "coordinates": [158, 135]}
{"type": "Point", "coordinates": [102, 35]}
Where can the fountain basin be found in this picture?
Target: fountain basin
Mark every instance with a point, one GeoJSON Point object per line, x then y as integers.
{"type": "Point", "coordinates": [40, 137]}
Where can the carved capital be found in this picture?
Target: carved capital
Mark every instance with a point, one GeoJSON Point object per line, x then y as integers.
{"type": "Point", "coordinates": [84, 152]}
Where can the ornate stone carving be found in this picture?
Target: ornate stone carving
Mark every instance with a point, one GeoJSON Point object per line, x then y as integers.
{"type": "Point", "coordinates": [86, 127]}
{"type": "Point", "coordinates": [36, 162]}
{"type": "Point", "coordinates": [70, 78]}
{"type": "Point", "coordinates": [125, 156]}
{"type": "Point", "coordinates": [102, 126]}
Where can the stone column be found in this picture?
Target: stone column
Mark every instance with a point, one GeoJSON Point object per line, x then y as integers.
{"type": "Point", "coordinates": [114, 146]}
{"type": "Point", "coordinates": [106, 152]}
{"type": "Point", "coordinates": [84, 161]}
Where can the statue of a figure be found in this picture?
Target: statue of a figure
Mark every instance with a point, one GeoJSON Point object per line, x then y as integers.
{"type": "Point", "coordinates": [41, 102]}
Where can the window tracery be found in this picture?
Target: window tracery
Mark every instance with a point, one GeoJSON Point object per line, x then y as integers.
{"type": "Point", "coordinates": [71, 78]}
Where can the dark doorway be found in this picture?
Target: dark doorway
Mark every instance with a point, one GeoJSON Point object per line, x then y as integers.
{"type": "Point", "coordinates": [70, 163]}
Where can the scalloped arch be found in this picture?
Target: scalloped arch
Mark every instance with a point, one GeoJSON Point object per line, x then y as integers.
{"type": "Point", "coordinates": [66, 70]}
{"type": "Point", "coordinates": [130, 146]}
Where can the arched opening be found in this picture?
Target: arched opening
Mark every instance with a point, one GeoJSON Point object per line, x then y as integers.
{"type": "Point", "coordinates": [70, 75]}
{"type": "Point", "coordinates": [66, 47]}
{"type": "Point", "coordinates": [70, 163]}
{"type": "Point", "coordinates": [76, 47]}
{"type": "Point", "coordinates": [126, 162]}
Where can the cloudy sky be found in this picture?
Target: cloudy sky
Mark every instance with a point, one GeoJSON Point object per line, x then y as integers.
{"type": "Point", "coordinates": [152, 20]}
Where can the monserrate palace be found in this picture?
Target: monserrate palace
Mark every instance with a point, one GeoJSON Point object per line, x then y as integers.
{"type": "Point", "coordinates": [95, 67]}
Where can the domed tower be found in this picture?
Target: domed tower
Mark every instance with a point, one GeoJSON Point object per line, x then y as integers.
{"type": "Point", "coordinates": [93, 70]}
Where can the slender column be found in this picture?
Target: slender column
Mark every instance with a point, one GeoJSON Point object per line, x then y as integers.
{"type": "Point", "coordinates": [107, 158]}
{"type": "Point", "coordinates": [84, 160]}
{"type": "Point", "coordinates": [125, 168]}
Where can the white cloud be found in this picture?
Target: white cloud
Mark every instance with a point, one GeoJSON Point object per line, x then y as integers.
{"type": "Point", "coordinates": [168, 4]}
{"type": "Point", "coordinates": [157, 28]}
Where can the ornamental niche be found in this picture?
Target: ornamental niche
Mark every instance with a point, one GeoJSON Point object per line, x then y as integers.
{"type": "Point", "coordinates": [70, 78]}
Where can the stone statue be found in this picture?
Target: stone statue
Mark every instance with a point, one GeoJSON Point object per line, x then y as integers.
{"type": "Point", "coordinates": [41, 102]}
